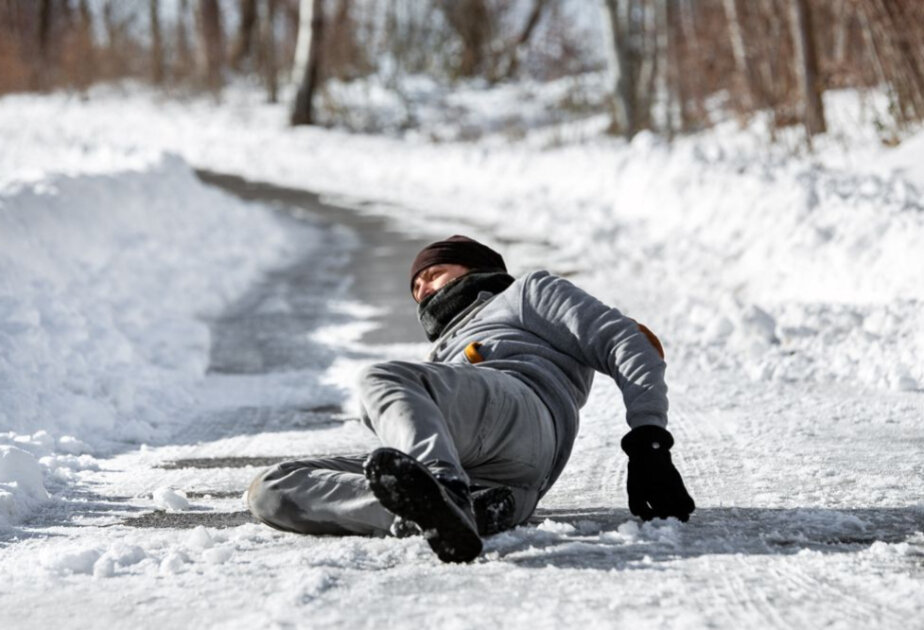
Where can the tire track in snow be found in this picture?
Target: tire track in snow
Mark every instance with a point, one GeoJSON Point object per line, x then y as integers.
{"type": "Point", "coordinates": [735, 598]}
{"type": "Point", "coordinates": [789, 590]}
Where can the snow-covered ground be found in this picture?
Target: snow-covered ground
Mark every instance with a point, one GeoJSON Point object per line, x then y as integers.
{"type": "Point", "coordinates": [787, 288]}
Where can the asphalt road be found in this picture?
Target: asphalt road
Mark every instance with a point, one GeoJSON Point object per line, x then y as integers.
{"type": "Point", "coordinates": [371, 255]}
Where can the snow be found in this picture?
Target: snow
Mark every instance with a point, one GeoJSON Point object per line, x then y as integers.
{"type": "Point", "coordinates": [106, 283]}
{"type": "Point", "coordinates": [171, 500]}
{"type": "Point", "coordinates": [786, 286]}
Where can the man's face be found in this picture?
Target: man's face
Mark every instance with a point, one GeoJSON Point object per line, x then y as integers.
{"type": "Point", "coordinates": [434, 278]}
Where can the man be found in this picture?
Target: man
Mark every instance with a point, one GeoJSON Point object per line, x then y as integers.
{"type": "Point", "coordinates": [474, 436]}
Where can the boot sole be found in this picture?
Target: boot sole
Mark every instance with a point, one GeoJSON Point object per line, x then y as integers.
{"type": "Point", "coordinates": [407, 489]}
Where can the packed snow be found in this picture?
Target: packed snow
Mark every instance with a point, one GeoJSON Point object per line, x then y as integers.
{"type": "Point", "coordinates": [786, 286]}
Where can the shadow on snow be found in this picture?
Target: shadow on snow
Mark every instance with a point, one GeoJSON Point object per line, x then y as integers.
{"type": "Point", "coordinates": [599, 538]}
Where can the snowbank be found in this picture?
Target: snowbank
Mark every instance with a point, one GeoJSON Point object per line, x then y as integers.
{"type": "Point", "coordinates": [104, 284]}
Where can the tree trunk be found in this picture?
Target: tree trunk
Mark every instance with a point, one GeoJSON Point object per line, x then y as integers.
{"type": "Point", "coordinates": [268, 47]}
{"type": "Point", "coordinates": [739, 52]}
{"type": "Point", "coordinates": [307, 61]}
{"type": "Point", "coordinates": [841, 25]}
{"type": "Point", "coordinates": [663, 85]}
{"type": "Point", "coordinates": [516, 48]}
{"type": "Point", "coordinates": [806, 67]}
{"type": "Point", "coordinates": [344, 56]}
{"type": "Point", "coordinates": [674, 65]}
{"type": "Point", "coordinates": [243, 43]}
{"type": "Point", "coordinates": [88, 66]}
{"type": "Point", "coordinates": [692, 104]}
{"type": "Point", "coordinates": [621, 73]}
{"type": "Point", "coordinates": [184, 56]}
{"type": "Point", "coordinates": [644, 56]}
{"type": "Point", "coordinates": [893, 34]}
{"type": "Point", "coordinates": [471, 21]}
{"type": "Point", "coordinates": [211, 43]}
{"type": "Point", "coordinates": [157, 44]}
{"type": "Point", "coordinates": [44, 30]}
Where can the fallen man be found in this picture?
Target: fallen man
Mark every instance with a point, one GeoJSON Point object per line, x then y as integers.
{"type": "Point", "coordinates": [475, 435]}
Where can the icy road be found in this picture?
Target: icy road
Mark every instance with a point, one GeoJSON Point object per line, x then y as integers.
{"type": "Point", "coordinates": [809, 497]}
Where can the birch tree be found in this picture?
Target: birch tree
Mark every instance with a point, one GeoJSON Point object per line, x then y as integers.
{"type": "Point", "coordinates": [805, 64]}
{"type": "Point", "coordinates": [739, 51]}
{"type": "Point", "coordinates": [306, 71]}
{"type": "Point", "coordinates": [620, 68]}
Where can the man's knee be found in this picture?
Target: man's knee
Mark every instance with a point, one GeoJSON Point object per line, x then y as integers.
{"type": "Point", "coordinates": [272, 503]}
{"type": "Point", "coordinates": [263, 500]}
{"type": "Point", "coordinates": [386, 372]}
{"type": "Point", "coordinates": [380, 379]}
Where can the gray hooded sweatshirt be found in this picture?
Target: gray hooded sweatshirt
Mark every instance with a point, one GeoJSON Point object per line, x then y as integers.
{"type": "Point", "coordinates": [554, 336]}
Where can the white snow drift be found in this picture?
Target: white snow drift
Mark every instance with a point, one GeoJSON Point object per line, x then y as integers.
{"type": "Point", "coordinates": [104, 284]}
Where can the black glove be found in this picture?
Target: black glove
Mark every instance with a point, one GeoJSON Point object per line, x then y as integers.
{"type": "Point", "coordinates": [654, 485]}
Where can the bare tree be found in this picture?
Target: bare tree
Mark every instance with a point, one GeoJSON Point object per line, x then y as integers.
{"type": "Point", "coordinates": [211, 47]}
{"type": "Point", "coordinates": [86, 70]}
{"type": "Point", "coordinates": [211, 37]}
{"type": "Point", "coordinates": [522, 39]}
{"type": "Point", "coordinates": [642, 29]}
{"type": "Point", "coordinates": [471, 21]}
{"type": "Point", "coordinates": [184, 56]}
{"type": "Point", "coordinates": [247, 27]}
{"type": "Point", "coordinates": [157, 42]}
{"type": "Point", "coordinates": [114, 26]}
{"type": "Point", "coordinates": [44, 27]}
{"type": "Point", "coordinates": [805, 64]}
{"type": "Point", "coordinates": [306, 72]}
{"type": "Point", "coordinates": [345, 56]}
{"type": "Point", "coordinates": [268, 61]}
{"type": "Point", "coordinates": [739, 50]}
{"type": "Point", "coordinates": [689, 90]}
{"type": "Point", "coordinates": [893, 30]}
{"type": "Point", "coordinates": [841, 24]}
{"type": "Point", "coordinates": [621, 67]}
{"type": "Point", "coordinates": [44, 37]}
{"type": "Point", "coordinates": [663, 85]}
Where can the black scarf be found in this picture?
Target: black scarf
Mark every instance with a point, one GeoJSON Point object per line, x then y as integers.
{"type": "Point", "coordinates": [440, 308]}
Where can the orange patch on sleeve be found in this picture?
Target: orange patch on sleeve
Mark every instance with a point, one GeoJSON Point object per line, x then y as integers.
{"type": "Point", "coordinates": [651, 337]}
{"type": "Point", "coordinates": [472, 354]}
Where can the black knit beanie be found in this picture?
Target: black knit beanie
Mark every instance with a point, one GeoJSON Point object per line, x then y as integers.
{"type": "Point", "coordinates": [457, 250]}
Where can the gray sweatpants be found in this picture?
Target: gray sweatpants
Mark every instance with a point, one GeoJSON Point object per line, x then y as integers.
{"type": "Point", "coordinates": [477, 423]}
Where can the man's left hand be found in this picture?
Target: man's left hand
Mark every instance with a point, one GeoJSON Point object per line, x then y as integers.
{"type": "Point", "coordinates": [655, 487]}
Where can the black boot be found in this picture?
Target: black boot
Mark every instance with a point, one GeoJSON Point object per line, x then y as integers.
{"type": "Point", "coordinates": [495, 510]}
{"type": "Point", "coordinates": [494, 513]}
{"type": "Point", "coordinates": [442, 508]}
